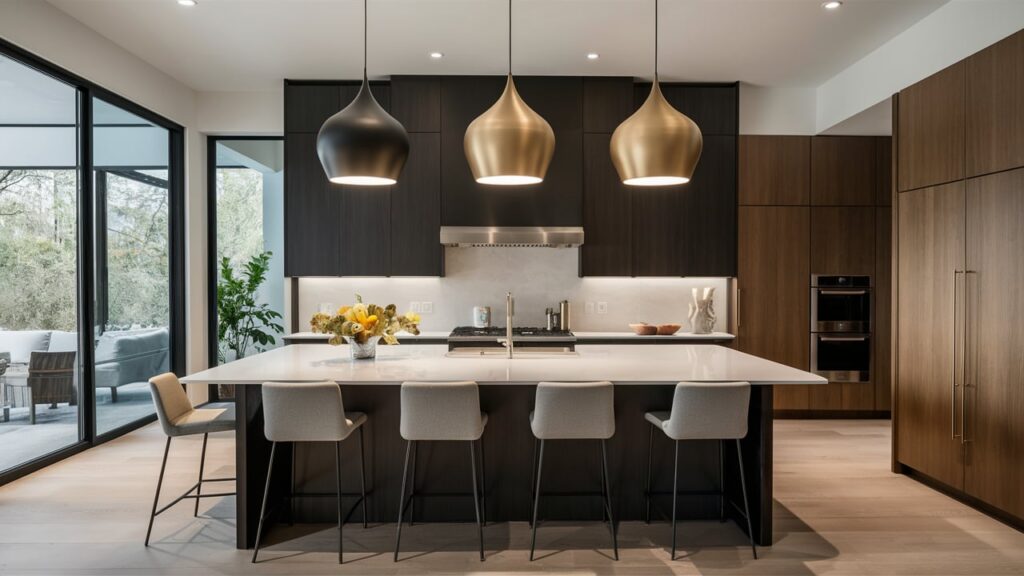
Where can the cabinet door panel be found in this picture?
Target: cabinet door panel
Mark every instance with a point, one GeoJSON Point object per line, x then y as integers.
{"type": "Point", "coordinates": [308, 105]}
{"type": "Point", "coordinates": [365, 230]}
{"type": "Point", "coordinates": [882, 327]}
{"type": "Point", "coordinates": [995, 107]}
{"type": "Point", "coordinates": [606, 103]}
{"type": "Point", "coordinates": [774, 279]}
{"type": "Point", "coordinates": [607, 213]}
{"type": "Point", "coordinates": [883, 170]}
{"type": "Point", "coordinates": [931, 127]}
{"type": "Point", "coordinates": [416, 210]}
{"type": "Point", "coordinates": [713, 108]}
{"type": "Point", "coordinates": [843, 240]}
{"type": "Point", "coordinates": [312, 209]}
{"type": "Point", "coordinates": [774, 170]}
{"type": "Point", "coordinates": [843, 171]}
{"type": "Point", "coordinates": [657, 230]}
{"type": "Point", "coordinates": [416, 102]}
{"type": "Point", "coordinates": [931, 247]}
{"type": "Point", "coordinates": [994, 390]}
{"type": "Point", "coordinates": [708, 218]}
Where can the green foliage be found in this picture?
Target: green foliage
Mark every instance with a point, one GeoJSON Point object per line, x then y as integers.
{"type": "Point", "coordinates": [243, 321]}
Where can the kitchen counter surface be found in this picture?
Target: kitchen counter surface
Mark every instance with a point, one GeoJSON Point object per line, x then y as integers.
{"type": "Point", "coordinates": [621, 364]}
{"type": "Point", "coordinates": [300, 337]}
{"type": "Point", "coordinates": [581, 337]}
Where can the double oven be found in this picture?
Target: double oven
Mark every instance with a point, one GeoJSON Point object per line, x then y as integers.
{"type": "Point", "coordinates": [841, 327]}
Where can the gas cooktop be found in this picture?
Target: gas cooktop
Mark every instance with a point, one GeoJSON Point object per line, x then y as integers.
{"type": "Point", "coordinates": [499, 332]}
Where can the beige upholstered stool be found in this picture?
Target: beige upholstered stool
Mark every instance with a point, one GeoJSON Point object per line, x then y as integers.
{"type": "Point", "coordinates": [178, 418]}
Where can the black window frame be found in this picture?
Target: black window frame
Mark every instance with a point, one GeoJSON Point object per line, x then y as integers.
{"type": "Point", "coordinates": [88, 250]}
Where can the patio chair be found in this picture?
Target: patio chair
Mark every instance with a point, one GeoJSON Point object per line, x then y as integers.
{"type": "Point", "coordinates": [50, 380]}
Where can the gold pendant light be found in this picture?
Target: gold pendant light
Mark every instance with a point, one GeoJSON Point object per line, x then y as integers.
{"type": "Point", "coordinates": [509, 144]}
{"type": "Point", "coordinates": [658, 145]}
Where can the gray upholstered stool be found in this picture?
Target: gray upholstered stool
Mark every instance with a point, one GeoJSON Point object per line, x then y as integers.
{"type": "Point", "coordinates": [703, 411]}
{"type": "Point", "coordinates": [574, 411]}
{"type": "Point", "coordinates": [178, 418]}
{"type": "Point", "coordinates": [433, 411]}
{"type": "Point", "coordinates": [310, 412]}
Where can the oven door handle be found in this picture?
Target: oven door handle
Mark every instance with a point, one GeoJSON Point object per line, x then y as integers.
{"type": "Point", "coordinates": [843, 338]}
{"type": "Point", "coordinates": [842, 292]}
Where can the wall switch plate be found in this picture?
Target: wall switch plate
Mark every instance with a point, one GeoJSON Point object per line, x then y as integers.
{"type": "Point", "coordinates": [415, 307]}
{"type": "Point", "coordinates": [589, 309]}
{"type": "Point", "coordinates": [602, 307]}
{"type": "Point", "coordinates": [427, 307]}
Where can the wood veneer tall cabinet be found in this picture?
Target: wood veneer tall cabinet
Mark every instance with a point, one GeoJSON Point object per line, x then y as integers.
{"type": "Point", "coordinates": [959, 318]}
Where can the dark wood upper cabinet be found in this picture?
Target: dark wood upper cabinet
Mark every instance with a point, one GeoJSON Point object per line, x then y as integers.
{"type": "Point", "coordinates": [607, 101]}
{"type": "Point", "coordinates": [774, 170]}
{"type": "Point", "coordinates": [843, 240]}
{"type": "Point", "coordinates": [883, 170]}
{"type": "Point", "coordinates": [707, 221]}
{"type": "Point", "coordinates": [607, 211]}
{"type": "Point", "coordinates": [312, 212]}
{"type": "Point", "coordinates": [882, 328]}
{"type": "Point", "coordinates": [658, 230]}
{"type": "Point", "coordinates": [995, 107]}
{"type": "Point", "coordinates": [555, 202]}
{"type": "Point", "coordinates": [416, 210]}
{"type": "Point", "coordinates": [843, 171]}
{"type": "Point", "coordinates": [365, 231]}
{"type": "Point", "coordinates": [416, 102]}
{"type": "Point", "coordinates": [306, 106]}
{"type": "Point", "coordinates": [712, 107]}
{"type": "Point", "coordinates": [931, 126]}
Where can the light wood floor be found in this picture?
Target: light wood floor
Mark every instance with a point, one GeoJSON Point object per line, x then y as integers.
{"type": "Point", "coordinates": [838, 511]}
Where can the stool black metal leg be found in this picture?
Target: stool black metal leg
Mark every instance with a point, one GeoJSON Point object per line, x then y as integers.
{"type": "Point", "coordinates": [362, 474]}
{"type": "Point", "coordinates": [412, 485]}
{"type": "Point", "coordinates": [604, 512]}
{"type": "Point", "coordinates": [647, 494]}
{"type": "Point", "coordinates": [721, 480]}
{"type": "Point", "coordinates": [341, 517]}
{"type": "Point", "coordinates": [746, 506]}
{"type": "Point", "coordinates": [536, 499]}
{"type": "Point", "coordinates": [263, 507]}
{"type": "Point", "coordinates": [483, 484]}
{"type": "Point", "coordinates": [608, 497]}
{"type": "Point", "coordinates": [675, 494]}
{"type": "Point", "coordinates": [476, 498]}
{"type": "Point", "coordinates": [199, 485]}
{"type": "Point", "coordinates": [533, 474]}
{"type": "Point", "coordinates": [159, 483]}
{"type": "Point", "coordinates": [401, 498]}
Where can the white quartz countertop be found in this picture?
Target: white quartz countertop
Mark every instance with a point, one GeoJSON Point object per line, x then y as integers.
{"type": "Point", "coordinates": [622, 364]}
{"type": "Point", "coordinates": [436, 335]}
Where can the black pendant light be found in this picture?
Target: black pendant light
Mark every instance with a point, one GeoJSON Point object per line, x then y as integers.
{"type": "Point", "coordinates": [362, 144]}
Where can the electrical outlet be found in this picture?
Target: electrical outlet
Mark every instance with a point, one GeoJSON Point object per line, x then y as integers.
{"type": "Point", "coordinates": [602, 307]}
{"type": "Point", "coordinates": [427, 307]}
{"type": "Point", "coordinates": [416, 307]}
{"type": "Point", "coordinates": [589, 308]}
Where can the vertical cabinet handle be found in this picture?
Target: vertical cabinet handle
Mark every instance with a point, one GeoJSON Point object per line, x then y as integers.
{"type": "Point", "coordinates": [963, 367]}
{"type": "Point", "coordinates": [739, 298]}
{"type": "Point", "coordinates": [952, 374]}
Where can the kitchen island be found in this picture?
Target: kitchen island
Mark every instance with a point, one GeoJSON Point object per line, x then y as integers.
{"type": "Point", "coordinates": [644, 376]}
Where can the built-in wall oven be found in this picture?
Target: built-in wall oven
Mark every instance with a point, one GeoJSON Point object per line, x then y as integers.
{"type": "Point", "coordinates": [841, 327]}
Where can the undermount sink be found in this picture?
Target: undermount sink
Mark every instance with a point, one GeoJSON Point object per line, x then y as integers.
{"type": "Point", "coordinates": [525, 352]}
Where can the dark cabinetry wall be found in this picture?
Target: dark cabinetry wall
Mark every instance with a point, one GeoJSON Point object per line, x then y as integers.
{"type": "Point", "coordinates": [774, 170]}
{"type": "Point", "coordinates": [931, 126]}
{"type": "Point", "coordinates": [843, 171]}
{"type": "Point", "coordinates": [995, 107]}
{"type": "Point", "coordinates": [687, 230]}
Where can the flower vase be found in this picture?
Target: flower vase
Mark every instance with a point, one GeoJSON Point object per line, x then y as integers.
{"type": "Point", "coordinates": [363, 350]}
{"type": "Point", "coordinates": [702, 311]}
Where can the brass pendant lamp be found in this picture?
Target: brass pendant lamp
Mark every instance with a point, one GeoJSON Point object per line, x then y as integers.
{"type": "Point", "coordinates": [658, 145]}
{"type": "Point", "coordinates": [509, 144]}
{"type": "Point", "coordinates": [362, 144]}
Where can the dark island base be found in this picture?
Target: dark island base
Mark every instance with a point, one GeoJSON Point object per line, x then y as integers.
{"type": "Point", "coordinates": [444, 467]}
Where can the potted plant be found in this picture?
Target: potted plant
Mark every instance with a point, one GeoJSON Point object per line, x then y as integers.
{"type": "Point", "coordinates": [242, 321]}
{"type": "Point", "coordinates": [363, 325]}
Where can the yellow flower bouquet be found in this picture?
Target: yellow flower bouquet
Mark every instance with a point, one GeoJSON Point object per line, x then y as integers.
{"type": "Point", "coordinates": [363, 325]}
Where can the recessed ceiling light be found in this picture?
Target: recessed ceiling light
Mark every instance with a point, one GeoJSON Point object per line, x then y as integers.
{"type": "Point", "coordinates": [832, 5]}
{"type": "Point", "coordinates": [436, 55]}
{"type": "Point", "coordinates": [187, 2]}
{"type": "Point", "coordinates": [593, 56]}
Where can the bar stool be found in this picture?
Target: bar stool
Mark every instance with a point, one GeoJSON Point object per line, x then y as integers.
{"type": "Point", "coordinates": [703, 411]}
{"type": "Point", "coordinates": [310, 412]}
{"type": "Point", "coordinates": [178, 418]}
{"type": "Point", "coordinates": [437, 411]}
{"type": "Point", "coordinates": [574, 411]}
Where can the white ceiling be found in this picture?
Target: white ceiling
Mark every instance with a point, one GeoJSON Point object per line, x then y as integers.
{"type": "Point", "coordinates": [251, 45]}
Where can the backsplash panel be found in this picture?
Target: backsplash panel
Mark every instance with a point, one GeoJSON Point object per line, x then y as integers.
{"type": "Point", "coordinates": [537, 277]}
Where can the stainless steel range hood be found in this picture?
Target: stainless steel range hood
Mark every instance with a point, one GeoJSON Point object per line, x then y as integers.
{"type": "Point", "coordinates": [518, 236]}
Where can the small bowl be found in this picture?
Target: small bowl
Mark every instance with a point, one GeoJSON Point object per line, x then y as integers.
{"type": "Point", "coordinates": [642, 329]}
{"type": "Point", "coordinates": [668, 329]}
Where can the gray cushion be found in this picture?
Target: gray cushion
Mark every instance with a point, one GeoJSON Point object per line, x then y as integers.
{"type": "Point", "coordinates": [21, 343]}
{"type": "Point", "coordinates": [178, 417]}
{"type": "Point", "coordinates": [706, 410]}
{"type": "Point", "coordinates": [574, 410]}
{"type": "Point", "coordinates": [441, 411]}
{"type": "Point", "coordinates": [306, 412]}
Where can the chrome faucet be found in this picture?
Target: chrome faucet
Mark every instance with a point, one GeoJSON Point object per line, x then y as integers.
{"type": "Point", "coordinates": [510, 310]}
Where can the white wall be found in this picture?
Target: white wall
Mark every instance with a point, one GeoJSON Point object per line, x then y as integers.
{"type": "Point", "coordinates": [538, 278]}
{"type": "Point", "coordinates": [947, 35]}
{"type": "Point", "coordinates": [777, 110]}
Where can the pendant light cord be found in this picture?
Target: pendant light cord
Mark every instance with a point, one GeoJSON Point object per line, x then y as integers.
{"type": "Point", "coordinates": [365, 10]}
{"type": "Point", "coordinates": [509, 37]}
{"type": "Point", "coordinates": [655, 41]}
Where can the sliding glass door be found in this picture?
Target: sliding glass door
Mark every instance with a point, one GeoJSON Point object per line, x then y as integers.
{"type": "Point", "coordinates": [91, 261]}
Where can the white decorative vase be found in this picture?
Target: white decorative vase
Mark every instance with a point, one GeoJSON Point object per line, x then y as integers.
{"type": "Point", "coordinates": [702, 311]}
{"type": "Point", "coordinates": [363, 350]}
